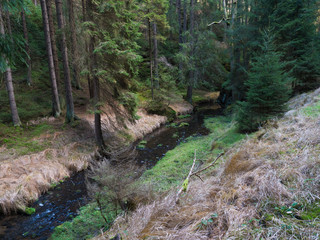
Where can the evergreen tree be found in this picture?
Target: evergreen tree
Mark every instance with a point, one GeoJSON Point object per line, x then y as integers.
{"type": "Point", "coordinates": [268, 88]}
{"type": "Point", "coordinates": [295, 31]}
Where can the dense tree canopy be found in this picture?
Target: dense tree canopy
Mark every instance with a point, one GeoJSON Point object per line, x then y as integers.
{"type": "Point", "coordinates": [122, 48]}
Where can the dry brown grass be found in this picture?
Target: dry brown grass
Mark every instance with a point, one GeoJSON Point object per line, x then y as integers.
{"type": "Point", "coordinates": [25, 178]}
{"type": "Point", "coordinates": [270, 168]}
{"type": "Point", "coordinates": [182, 107]}
{"type": "Point", "coordinates": [114, 123]}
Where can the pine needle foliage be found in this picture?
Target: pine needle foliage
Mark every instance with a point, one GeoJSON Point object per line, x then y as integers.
{"type": "Point", "coordinates": [295, 34]}
{"type": "Point", "coordinates": [268, 89]}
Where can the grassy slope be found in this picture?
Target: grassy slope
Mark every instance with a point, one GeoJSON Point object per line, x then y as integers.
{"type": "Point", "coordinates": [23, 139]}
{"type": "Point", "coordinates": [174, 167]}
{"type": "Point", "coordinates": [168, 173]}
{"type": "Point", "coordinates": [268, 188]}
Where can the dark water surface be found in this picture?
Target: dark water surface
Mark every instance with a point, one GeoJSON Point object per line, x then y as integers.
{"type": "Point", "coordinates": [62, 203]}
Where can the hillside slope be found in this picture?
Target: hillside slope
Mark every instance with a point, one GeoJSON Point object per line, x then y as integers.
{"type": "Point", "coordinates": [268, 186]}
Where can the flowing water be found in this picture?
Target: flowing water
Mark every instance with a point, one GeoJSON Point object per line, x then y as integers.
{"type": "Point", "coordinates": [62, 203]}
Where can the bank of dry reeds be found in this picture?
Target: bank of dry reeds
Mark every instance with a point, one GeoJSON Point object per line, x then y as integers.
{"type": "Point", "coordinates": [25, 178]}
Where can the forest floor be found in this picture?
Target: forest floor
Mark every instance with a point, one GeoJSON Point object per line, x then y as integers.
{"type": "Point", "coordinates": [267, 186]}
{"type": "Point", "coordinates": [47, 150]}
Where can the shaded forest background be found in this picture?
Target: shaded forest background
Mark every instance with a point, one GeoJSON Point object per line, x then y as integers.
{"type": "Point", "coordinates": [55, 54]}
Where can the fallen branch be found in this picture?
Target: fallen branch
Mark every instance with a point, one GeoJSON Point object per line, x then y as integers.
{"type": "Point", "coordinates": [184, 187]}
{"type": "Point", "coordinates": [211, 164]}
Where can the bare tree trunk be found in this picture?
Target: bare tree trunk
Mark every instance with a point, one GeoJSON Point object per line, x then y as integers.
{"type": "Point", "coordinates": [26, 38]}
{"type": "Point", "coordinates": [150, 56]}
{"type": "Point", "coordinates": [55, 96]}
{"type": "Point", "coordinates": [96, 85]}
{"type": "Point", "coordinates": [156, 68]}
{"type": "Point", "coordinates": [35, 3]}
{"type": "Point", "coordinates": [53, 42]}
{"type": "Point", "coordinates": [89, 79]}
{"type": "Point", "coordinates": [180, 38]}
{"type": "Point", "coordinates": [64, 51]}
{"type": "Point", "coordinates": [235, 78]}
{"type": "Point", "coordinates": [184, 19]}
{"type": "Point", "coordinates": [9, 84]}
{"type": "Point", "coordinates": [74, 46]}
{"type": "Point", "coordinates": [191, 73]}
{"type": "Point", "coordinates": [225, 26]}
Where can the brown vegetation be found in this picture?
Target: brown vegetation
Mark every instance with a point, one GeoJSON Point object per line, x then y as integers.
{"type": "Point", "coordinates": [25, 178]}
{"type": "Point", "coordinates": [272, 168]}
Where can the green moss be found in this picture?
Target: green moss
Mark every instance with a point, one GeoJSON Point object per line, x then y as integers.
{"type": "Point", "coordinates": [142, 144]}
{"type": "Point", "coordinates": [31, 103]}
{"type": "Point", "coordinates": [184, 116]}
{"type": "Point", "coordinates": [312, 111]}
{"type": "Point", "coordinates": [172, 169]}
{"type": "Point", "coordinates": [183, 124]}
{"type": "Point", "coordinates": [29, 211]}
{"type": "Point", "coordinates": [86, 225]}
{"type": "Point", "coordinates": [19, 138]}
{"type": "Point", "coordinates": [311, 212]}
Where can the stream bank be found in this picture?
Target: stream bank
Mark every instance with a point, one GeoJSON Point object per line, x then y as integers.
{"type": "Point", "coordinates": [158, 143]}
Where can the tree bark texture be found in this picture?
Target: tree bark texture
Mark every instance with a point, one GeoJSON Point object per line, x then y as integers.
{"type": "Point", "coordinates": [180, 38]}
{"type": "Point", "coordinates": [27, 47]}
{"type": "Point", "coordinates": [150, 56]}
{"type": "Point", "coordinates": [55, 96]}
{"type": "Point", "coordinates": [9, 83]}
{"type": "Point", "coordinates": [66, 70]}
{"type": "Point", "coordinates": [155, 45]}
{"type": "Point", "coordinates": [95, 82]}
{"type": "Point", "coordinates": [184, 19]}
{"type": "Point", "coordinates": [89, 79]}
{"type": "Point", "coordinates": [53, 42]}
{"type": "Point", "coordinates": [74, 46]}
{"type": "Point", "coordinates": [191, 72]}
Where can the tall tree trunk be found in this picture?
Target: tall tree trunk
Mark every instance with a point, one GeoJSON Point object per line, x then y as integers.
{"type": "Point", "coordinates": [191, 72]}
{"type": "Point", "coordinates": [74, 45]}
{"type": "Point", "coordinates": [184, 19]}
{"type": "Point", "coordinates": [9, 84]}
{"type": "Point", "coordinates": [180, 38]}
{"type": "Point", "coordinates": [235, 77]}
{"type": "Point", "coordinates": [53, 43]}
{"type": "Point", "coordinates": [35, 2]}
{"type": "Point", "coordinates": [95, 80]}
{"type": "Point", "coordinates": [64, 51]}
{"type": "Point", "coordinates": [27, 47]}
{"type": "Point", "coordinates": [156, 68]}
{"type": "Point", "coordinates": [55, 96]}
{"type": "Point", "coordinates": [150, 56]}
{"type": "Point", "coordinates": [89, 79]}
{"type": "Point", "coordinates": [225, 26]}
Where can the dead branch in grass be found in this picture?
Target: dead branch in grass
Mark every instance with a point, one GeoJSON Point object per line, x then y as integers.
{"type": "Point", "coordinates": [197, 172]}
{"type": "Point", "coordinates": [185, 182]}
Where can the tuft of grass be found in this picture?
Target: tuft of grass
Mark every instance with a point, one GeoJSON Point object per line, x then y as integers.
{"type": "Point", "coordinates": [142, 144]}
{"type": "Point", "coordinates": [312, 111]}
{"type": "Point", "coordinates": [184, 116]}
{"type": "Point", "coordinates": [29, 210]}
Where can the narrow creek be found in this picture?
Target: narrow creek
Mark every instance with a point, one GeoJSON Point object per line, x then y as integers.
{"type": "Point", "coordinates": [62, 203]}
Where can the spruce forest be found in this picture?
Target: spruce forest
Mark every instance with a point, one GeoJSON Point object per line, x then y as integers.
{"type": "Point", "coordinates": [159, 119]}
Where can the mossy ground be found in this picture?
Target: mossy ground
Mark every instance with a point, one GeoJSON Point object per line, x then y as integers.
{"type": "Point", "coordinates": [23, 139]}
{"type": "Point", "coordinates": [171, 170]}
{"type": "Point", "coordinates": [86, 225]}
